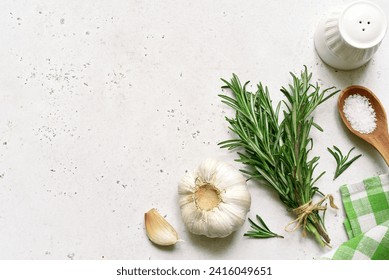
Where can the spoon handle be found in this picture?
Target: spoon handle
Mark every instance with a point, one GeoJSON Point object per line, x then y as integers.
{"type": "Point", "coordinates": [381, 143]}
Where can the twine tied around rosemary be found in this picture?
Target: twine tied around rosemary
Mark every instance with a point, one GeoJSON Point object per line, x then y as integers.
{"type": "Point", "coordinates": [302, 212]}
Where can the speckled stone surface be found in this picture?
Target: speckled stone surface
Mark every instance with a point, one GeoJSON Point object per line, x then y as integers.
{"type": "Point", "coordinates": [104, 105]}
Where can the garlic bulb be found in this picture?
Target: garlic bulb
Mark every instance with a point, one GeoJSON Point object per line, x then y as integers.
{"type": "Point", "coordinates": [214, 199]}
{"type": "Point", "coordinates": [158, 230]}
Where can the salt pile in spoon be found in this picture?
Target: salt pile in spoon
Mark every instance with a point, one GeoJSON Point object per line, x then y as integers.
{"type": "Point", "coordinates": [360, 114]}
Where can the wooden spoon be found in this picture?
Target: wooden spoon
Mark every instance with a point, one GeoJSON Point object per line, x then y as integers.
{"type": "Point", "coordinates": [379, 138]}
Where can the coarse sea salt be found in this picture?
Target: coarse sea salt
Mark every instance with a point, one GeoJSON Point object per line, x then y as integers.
{"type": "Point", "coordinates": [360, 113]}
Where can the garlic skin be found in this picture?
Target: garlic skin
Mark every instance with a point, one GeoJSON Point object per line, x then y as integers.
{"type": "Point", "coordinates": [214, 199]}
{"type": "Point", "coordinates": [158, 230]}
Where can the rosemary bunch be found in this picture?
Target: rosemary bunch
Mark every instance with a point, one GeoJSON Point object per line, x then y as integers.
{"type": "Point", "coordinates": [277, 151]}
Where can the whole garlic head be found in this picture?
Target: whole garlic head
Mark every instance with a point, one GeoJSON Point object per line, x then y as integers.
{"type": "Point", "coordinates": [214, 199]}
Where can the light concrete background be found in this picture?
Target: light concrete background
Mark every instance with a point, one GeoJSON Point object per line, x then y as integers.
{"type": "Point", "coordinates": [104, 105]}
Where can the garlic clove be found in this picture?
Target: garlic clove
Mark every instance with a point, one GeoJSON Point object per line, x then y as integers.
{"type": "Point", "coordinates": [158, 230]}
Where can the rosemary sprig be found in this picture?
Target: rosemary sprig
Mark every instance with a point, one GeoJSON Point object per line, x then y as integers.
{"type": "Point", "coordinates": [277, 152]}
{"type": "Point", "coordinates": [341, 161]}
{"type": "Point", "coordinates": [260, 230]}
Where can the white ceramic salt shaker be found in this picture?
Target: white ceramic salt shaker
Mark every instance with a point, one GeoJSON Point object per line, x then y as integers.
{"type": "Point", "coordinates": [348, 38]}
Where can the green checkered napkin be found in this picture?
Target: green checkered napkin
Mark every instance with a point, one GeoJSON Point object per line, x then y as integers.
{"type": "Point", "coordinates": [367, 224]}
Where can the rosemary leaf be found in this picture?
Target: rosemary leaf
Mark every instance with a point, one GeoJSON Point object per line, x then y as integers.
{"type": "Point", "coordinates": [260, 230]}
{"type": "Point", "coordinates": [341, 161]}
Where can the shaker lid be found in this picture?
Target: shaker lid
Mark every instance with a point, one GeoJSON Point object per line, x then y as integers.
{"type": "Point", "coordinates": [362, 24]}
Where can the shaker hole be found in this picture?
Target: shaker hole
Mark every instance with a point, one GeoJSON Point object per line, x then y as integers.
{"type": "Point", "coordinates": [360, 22]}
{"type": "Point", "coordinates": [368, 22]}
{"type": "Point", "coordinates": [363, 29]}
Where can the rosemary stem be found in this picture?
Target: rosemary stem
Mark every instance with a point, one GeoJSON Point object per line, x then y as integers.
{"type": "Point", "coordinates": [312, 229]}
